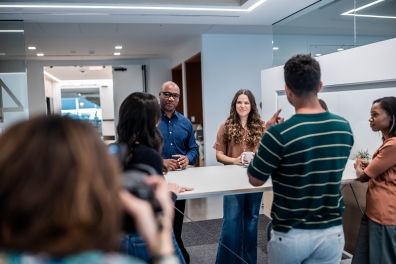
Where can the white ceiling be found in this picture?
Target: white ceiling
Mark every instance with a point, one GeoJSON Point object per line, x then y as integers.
{"type": "Point", "coordinates": [68, 73]}
{"type": "Point", "coordinates": [267, 13]}
{"type": "Point", "coordinates": [73, 41]}
{"type": "Point", "coordinates": [70, 33]}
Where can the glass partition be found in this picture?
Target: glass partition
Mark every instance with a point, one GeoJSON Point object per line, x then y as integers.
{"type": "Point", "coordinates": [330, 26]}
{"type": "Point", "coordinates": [83, 104]}
{"type": "Point", "coordinates": [13, 82]}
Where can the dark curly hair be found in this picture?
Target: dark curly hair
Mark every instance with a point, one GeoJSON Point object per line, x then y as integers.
{"type": "Point", "coordinates": [138, 118]}
{"type": "Point", "coordinates": [233, 128]}
{"type": "Point", "coordinates": [302, 74]}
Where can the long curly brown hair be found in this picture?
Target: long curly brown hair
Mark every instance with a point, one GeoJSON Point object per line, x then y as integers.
{"type": "Point", "coordinates": [233, 129]}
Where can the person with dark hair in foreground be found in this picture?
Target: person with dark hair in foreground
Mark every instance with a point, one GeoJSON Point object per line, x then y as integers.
{"type": "Point", "coordinates": [139, 116]}
{"type": "Point", "coordinates": [376, 242]}
{"type": "Point", "coordinates": [61, 199]}
{"type": "Point", "coordinates": [306, 160]}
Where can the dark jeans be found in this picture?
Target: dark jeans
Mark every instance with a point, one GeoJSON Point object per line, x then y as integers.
{"type": "Point", "coordinates": [178, 226]}
{"type": "Point", "coordinates": [134, 245]}
{"type": "Point", "coordinates": [239, 230]}
{"type": "Point", "coordinates": [375, 244]}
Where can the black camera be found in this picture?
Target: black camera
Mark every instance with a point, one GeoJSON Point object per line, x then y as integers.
{"type": "Point", "coordinates": [133, 181]}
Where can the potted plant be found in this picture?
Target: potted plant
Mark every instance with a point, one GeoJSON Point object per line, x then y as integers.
{"type": "Point", "coordinates": [363, 154]}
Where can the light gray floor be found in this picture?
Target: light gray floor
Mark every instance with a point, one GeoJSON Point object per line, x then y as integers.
{"type": "Point", "coordinates": [207, 209]}
{"type": "Point", "coordinates": [207, 254]}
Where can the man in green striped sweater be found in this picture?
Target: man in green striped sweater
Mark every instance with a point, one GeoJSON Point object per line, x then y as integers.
{"type": "Point", "coordinates": [305, 157]}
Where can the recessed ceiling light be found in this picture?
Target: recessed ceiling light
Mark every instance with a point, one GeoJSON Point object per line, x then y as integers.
{"type": "Point", "coordinates": [2, 54]}
{"type": "Point", "coordinates": [120, 7]}
{"type": "Point", "coordinates": [118, 47]}
{"type": "Point", "coordinates": [275, 48]}
{"type": "Point", "coordinates": [32, 48]}
{"type": "Point", "coordinates": [117, 53]}
{"type": "Point", "coordinates": [340, 49]}
{"type": "Point", "coordinates": [40, 54]}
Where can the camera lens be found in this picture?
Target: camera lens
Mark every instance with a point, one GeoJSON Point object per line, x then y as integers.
{"type": "Point", "coordinates": [113, 149]}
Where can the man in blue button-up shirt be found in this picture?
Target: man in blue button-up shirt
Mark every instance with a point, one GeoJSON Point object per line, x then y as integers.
{"type": "Point", "coordinates": [180, 148]}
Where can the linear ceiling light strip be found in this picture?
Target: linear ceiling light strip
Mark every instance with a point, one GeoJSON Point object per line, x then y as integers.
{"type": "Point", "coordinates": [136, 7]}
{"type": "Point", "coordinates": [392, 17]}
{"type": "Point", "coordinates": [12, 31]}
{"type": "Point", "coordinates": [350, 12]}
{"type": "Point", "coordinates": [52, 76]}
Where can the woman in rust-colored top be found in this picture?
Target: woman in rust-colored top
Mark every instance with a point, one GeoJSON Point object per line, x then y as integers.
{"type": "Point", "coordinates": [377, 236]}
{"type": "Point", "coordinates": [241, 132]}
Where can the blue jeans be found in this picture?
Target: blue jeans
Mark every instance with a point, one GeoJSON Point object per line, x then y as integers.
{"type": "Point", "coordinates": [239, 230]}
{"type": "Point", "coordinates": [306, 246]}
{"type": "Point", "coordinates": [134, 245]}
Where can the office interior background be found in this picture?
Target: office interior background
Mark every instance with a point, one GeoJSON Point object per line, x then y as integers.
{"type": "Point", "coordinates": [83, 58]}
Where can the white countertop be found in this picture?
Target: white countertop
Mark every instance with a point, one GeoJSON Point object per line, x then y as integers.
{"type": "Point", "coordinates": [230, 179]}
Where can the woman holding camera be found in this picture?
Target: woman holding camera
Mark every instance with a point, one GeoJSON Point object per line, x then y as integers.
{"type": "Point", "coordinates": [139, 116]}
{"type": "Point", "coordinates": [241, 132]}
{"type": "Point", "coordinates": [61, 199]}
{"type": "Point", "coordinates": [376, 242]}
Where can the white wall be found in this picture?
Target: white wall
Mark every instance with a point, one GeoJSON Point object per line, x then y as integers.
{"type": "Point", "coordinates": [182, 54]}
{"type": "Point", "coordinates": [108, 109]}
{"type": "Point", "coordinates": [290, 45]}
{"type": "Point", "coordinates": [229, 63]}
{"type": "Point", "coordinates": [48, 87]}
{"type": "Point", "coordinates": [352, 80]}
{"type": "Point", "coordinates": [106, 92]}
{"type": "Point", "coordinates": [159, 71]}
{"type": "Point", "coordinates": [57, 100]}
{"type": "Point", "coordinates": [125, 83]}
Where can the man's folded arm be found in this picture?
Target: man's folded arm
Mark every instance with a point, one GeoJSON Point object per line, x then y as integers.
{"type": "Point", "coordinates": [255, 182]}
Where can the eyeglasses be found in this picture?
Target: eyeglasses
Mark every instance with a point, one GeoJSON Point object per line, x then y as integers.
{"type": "Point", "coordinates": [168, 94]}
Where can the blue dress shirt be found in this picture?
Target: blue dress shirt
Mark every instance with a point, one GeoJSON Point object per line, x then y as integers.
{"type": "Point", "coordinates": [178, 136]}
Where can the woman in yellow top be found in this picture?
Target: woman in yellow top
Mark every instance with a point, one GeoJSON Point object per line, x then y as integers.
{"type": "Point", "coordinates": [241, 132]}
{"type": "Point", "coordinates": [377, 236]}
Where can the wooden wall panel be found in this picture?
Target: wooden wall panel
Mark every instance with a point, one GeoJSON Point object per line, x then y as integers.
{"type": "Point", "coordinates": [352, 214]}
{"type": "Point", "coordinates": [194, 91]}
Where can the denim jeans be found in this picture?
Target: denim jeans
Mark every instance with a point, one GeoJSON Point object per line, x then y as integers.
{"type": "Point", "coordinates": [239, 230]}
{"type": "Point", "coordinates": [134, 245]}
{"type": "Point", "coordinates": [306, 246]}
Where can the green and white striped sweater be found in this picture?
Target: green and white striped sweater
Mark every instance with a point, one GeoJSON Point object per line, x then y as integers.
{"type": "Point", "coordinates": [305, 156]}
